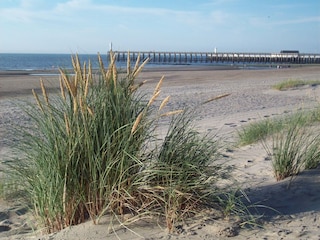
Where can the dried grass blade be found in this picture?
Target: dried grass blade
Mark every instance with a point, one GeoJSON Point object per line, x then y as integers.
{"type": "Point", "coordinates": [86, 88]}
{"type": "Point", "coordinates": [155, 95]}
{"type": "Point", "coordinates": [90, 111]}
{"type": "Point", "coordinates": [128, 64]}
{"type": "Point", "coordinates": [63, 94]}
{"type": "Point", "coordinates": [89, 75]}
{"type": "Point", "coordinates": [101, 65]}
{"type": "Point", "coordinates": [140, 68]}
{"type": "Point", "coordinates": [134, 88]}
{"type": "Point", "coordinates": [115, 75]}
{"type": "Point", "coordinates": [37, 99]}
{"type": "Point", "coordinates": [110, 68]}
{"type": "Point", "coordinates": [136, 66]}
{"type": "Point", "coordinates": [84, 71]}
{"type": "Point", "coordinates": [216, 98]}
{"type": "Point", "coordinates": [164, 102]}
{"type": "Point", "coordinates": [172, 113]}
{"type": "Point", "coordinates": [136, 122]}
{"type": "Point", "coordinates": [157, 89]}
{"type": "Point", "coordinates": [69, 85]}
{"type": "Point", "coordinates": [44, 91]}
{"type": "Point", "coordinates": [67, 123]}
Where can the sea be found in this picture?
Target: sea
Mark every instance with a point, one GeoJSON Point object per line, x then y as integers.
{"type": "Point", "coordinates": [35, 62]}
{"type": "Point", "coordinates": [29, 62]}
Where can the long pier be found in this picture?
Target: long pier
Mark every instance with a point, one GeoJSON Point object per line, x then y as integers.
{"type": "Point", "coordinates": [207, 57]}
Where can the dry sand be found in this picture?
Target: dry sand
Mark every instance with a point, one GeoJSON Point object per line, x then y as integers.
{"type": "Point", "coordinates": [251, 99]}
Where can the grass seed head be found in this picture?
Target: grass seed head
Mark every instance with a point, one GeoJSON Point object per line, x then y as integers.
{"type": "Point", "coordinates": [164, 102]}
{"type": "Point", "coordinates": [136, 122]}
{"type": "Point", "coordinates": [44, 92]}
{"type": "Point", "coordinates": [172, 113]}
{"type": "Point", "coordinates": [153, 98]}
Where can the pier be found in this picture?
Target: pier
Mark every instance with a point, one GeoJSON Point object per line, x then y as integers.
{"type": "Point", "coordinates": [207, 57]}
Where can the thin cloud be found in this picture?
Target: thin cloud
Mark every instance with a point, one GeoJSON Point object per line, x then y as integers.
{"type": "Point", "coordinates": [299, 20]}
{"type": "Point", "coordinates": [87, 5]}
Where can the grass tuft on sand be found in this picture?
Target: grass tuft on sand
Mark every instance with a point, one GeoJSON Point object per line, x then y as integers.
{"type": "Point", "coordinates": [295, 83]}
{"type": "Point", "coordinates": [295, 142]}
{"type": "Point", "coordinates": [92, 149]}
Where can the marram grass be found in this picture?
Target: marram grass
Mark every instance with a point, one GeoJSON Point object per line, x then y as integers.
{"type": "Point", "coordinates": [91, 150]}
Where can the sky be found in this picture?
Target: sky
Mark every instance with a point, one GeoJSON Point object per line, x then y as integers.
{"type": "Point", "coordinates": [89, 26]}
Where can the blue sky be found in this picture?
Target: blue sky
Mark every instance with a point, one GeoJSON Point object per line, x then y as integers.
{"type": "Point", "coordinates": [88, 26]}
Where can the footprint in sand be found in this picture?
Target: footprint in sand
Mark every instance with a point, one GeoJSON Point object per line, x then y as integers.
{"type": "Point", "coordinates": [4, 228]}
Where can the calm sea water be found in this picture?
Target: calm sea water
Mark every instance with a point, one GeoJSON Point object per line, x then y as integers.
{"type": "Point", "coordinates": [43, 61]}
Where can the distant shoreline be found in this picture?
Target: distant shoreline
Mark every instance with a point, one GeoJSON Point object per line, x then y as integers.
{"type": "Point", "coordinates": [160, 68]}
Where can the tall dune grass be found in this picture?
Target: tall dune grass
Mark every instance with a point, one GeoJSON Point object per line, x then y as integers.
{"type": "Point", "coordinates": [91, 149]}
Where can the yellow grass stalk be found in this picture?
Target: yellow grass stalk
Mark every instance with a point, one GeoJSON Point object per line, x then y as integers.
{"type": "Point", "coordinates": [89, 75]}
{"type": "Point", "coordinates": [134, 88]}
{"type": "Point", "coordinates": [172, 113]}
{"type": "Point", "coordinates": [102, 69]}
{"type": "Point", "coordinates": [90, 111]}
{"type": "Point", "coordinates": [164, 102]}
{"type": "Point", "coordinates": [140, 68]}
{"type": "Point", "coordinates": [136, 122]}
{"type": "Point", "coordinates": [155, 95]}
{"type": "Point", "coordinates": [65, 80]}
{"type": "Point", "coordinates": [77, 64]}
{"type": "Point", "coordinates": [74, 84]}
{"type": "Point", "coordinates": [86, 88]}
{"type": "Point", "coordinates": [76, 67]}
{"type": "Point", "coordinates": [136, 66]}
{"type": "Point", "coordinates": [115, 75]}
{"type": "Point", "coordinates": [68, 84]}
{"type": "Point", "coordinates": [157, 89]}
{"type": "Point", "coordinates": [84, 71]}
{"type": "Point", "coordinates": [82, 105]}
{"type": "Point", "coordinates": [75, 106]}
{"type": "Point", "coordinates": [44, 91]}
{"type": "Point", "coordinates": [37, 99]}
{"type": "Point", "coordinates": [216, 98]}
{"type": "Point", "coordinates": [63, 94]}
{"type": "Point", "coordinates": [73, 62]}
{"type": "Point", "coordinates": [67, 123]}
{"type": "Point", "coordinates": [110, 69]}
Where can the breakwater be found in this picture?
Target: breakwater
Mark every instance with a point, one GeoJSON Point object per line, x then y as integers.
{"type": "Point", "coordinates": [207, 57]}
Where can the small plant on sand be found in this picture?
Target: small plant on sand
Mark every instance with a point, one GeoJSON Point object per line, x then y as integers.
{"type": "Point", "coordinates": [294, 148]}
{"type": "Point", "coordinates": [92, 149]}
{"type": "Point", "coordinates": [265, 128]}
{"type": "Point", "coordinates": [294, 83]}
{"type": "Point", "coordinates": [259, 130]}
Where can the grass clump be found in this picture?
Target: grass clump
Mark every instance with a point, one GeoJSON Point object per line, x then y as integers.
{"type": "Point", "coordinates": [92, 149]}
{"type": "Point", "coordinates": [259, 130]}
{"type": "Point", "coordinates": [295, 142]}
{"type": "Point", "coordinates": [80, 151]}
{"type": "Point", "coordinates": [294, 149]}
{"type": "Point", "coordinates": [265, 128]}
{"type": "Point", "coordinates": [294, 83]}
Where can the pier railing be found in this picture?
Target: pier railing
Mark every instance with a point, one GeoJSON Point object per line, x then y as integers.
{"type": "Point", "coordinates": [207, 57]}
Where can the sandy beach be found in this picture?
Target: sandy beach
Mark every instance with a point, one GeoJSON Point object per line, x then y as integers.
{"type": "Point", "coordinates": [251, 98]}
